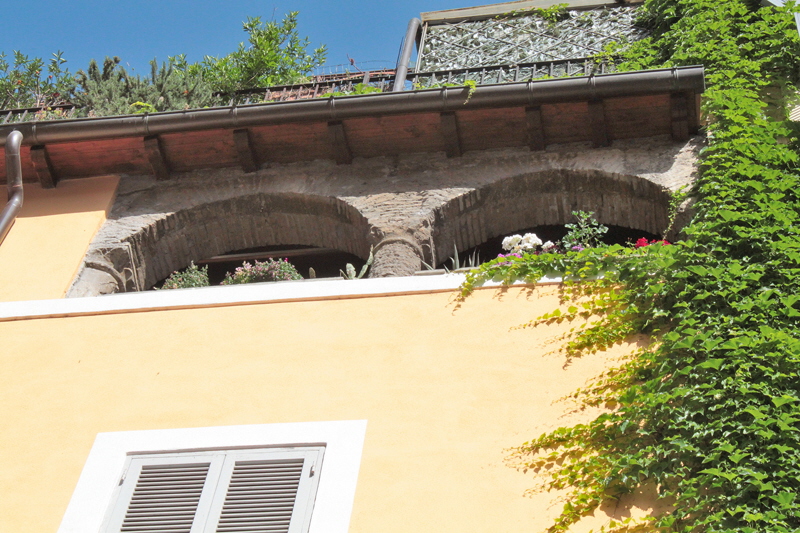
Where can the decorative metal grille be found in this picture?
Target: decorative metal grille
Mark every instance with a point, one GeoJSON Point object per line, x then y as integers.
{"type": "Point", "coordinates": [525, 39]}
{"type": "Point", "coordinates": [510, 73]}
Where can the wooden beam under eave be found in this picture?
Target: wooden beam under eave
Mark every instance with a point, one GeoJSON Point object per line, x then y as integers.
{"type": "Point", "coordinates": [450, 134]}
{"type": "Point", "coordinates": [535, 129]}
{"type": "Point", "coordinates": [44, 167]}
{"type": "Point", "coordinates": [679, 116]}
{"type": "Point", "coordinates": [598, 126]}
{"type": "Point", "coordinates": [245, 150]}
{"type": "Point", "coordinates": [339, 144]}
{"type": "Point", "coordinates": [155, 155]}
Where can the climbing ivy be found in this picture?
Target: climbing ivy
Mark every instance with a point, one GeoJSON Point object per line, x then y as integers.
{"type": "Point", "coordinates": [709, 414]}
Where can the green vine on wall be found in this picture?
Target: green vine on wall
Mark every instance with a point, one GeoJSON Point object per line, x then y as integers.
{"type": "Point", "coordinates": [709, 415]}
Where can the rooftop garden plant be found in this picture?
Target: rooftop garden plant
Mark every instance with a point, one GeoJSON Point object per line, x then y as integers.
{"type": "Point", "coordinates": [275, 54]}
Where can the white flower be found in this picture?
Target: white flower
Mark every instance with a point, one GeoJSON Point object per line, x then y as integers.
{"type": "Point", "coordinates": [530, 241]}
{"type": "Point", "coordinates": [548, 245]}
{"type": "Point", "coordinates": [511, 242]}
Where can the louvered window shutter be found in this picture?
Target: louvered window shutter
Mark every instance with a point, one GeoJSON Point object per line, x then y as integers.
{"type": "Point", "coordinates": [251, 490]}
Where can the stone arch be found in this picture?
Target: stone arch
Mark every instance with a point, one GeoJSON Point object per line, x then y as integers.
{"type": "Point", "coordinates": [153, 247]}
{"type": "Point", "coordinates": [548, 198]}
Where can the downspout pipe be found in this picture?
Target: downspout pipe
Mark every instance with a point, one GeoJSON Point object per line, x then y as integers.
{"type": "Point", "coordinates": [401, 72]}
{"type": "Point", "coordinates": [14, 183]}
{"type": "Point", "coordinates": [443, 99]}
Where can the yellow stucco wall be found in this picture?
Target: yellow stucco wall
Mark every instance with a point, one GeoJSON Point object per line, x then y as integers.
{"type": "Point", "coordinates": [42, 252]}
{"type": "Point", "coordinates": [445, 391]}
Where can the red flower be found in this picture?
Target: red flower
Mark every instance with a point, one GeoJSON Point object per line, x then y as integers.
{"type": "Point", "coordinates": [640, 243]}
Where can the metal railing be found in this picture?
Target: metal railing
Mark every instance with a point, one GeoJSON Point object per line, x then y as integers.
{"type": "Point", "coordinates": [48, 112]}
{"type": "Point", "coordinates": [383, 80]}
{"type": "Point", "coordinates": [368, 82]}
{"type": "Point", "coordinates": [511, 73]}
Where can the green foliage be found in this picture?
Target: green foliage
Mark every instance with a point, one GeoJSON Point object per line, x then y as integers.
{"type": "Point", "coordinates": [676, 200]}
{"type": "Point", "coordinates": [358, 88]}
{"type": "Point", "coordinates": [349, 271]}
{"type": "Point", "coordinates": [113, 91]}
{"type": "Point", "coordinates": [193, 276]}
{"type": "Point", "coordinates": [471, 86]}
{"type": "Point", "coordinates": [586, 232]}
{"type": "Point", "coordinates": [269, 270]}
{"type": "Point", "coordinates": [709, 413]}
{"type": "Point", "coordinates": [27, 82]}
{"type": "Point", "coordinates": [275, 55]}
{"type": "Point", "coordinates": [552, 14]}
{"type": "Point", "coordinates": [555, 13]}
{"type": "Point", "coordinates": [138, 108]}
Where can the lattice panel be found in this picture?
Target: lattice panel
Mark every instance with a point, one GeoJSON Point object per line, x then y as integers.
{"type": "Point", "coordinates": [526, 39]}
{"type": "Point", "coordinates": [511, 73]}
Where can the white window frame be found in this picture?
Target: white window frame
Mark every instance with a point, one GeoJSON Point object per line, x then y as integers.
{"type": "Point", "coordinates": [343, 441]}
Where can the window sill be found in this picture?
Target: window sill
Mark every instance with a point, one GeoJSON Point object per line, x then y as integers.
{"type": "Point", "coordinates": [230, 295]}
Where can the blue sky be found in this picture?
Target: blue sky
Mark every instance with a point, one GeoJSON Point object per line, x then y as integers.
{"type": "Point", "coordinates": [138, 31]}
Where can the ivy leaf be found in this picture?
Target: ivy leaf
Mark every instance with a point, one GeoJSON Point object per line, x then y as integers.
{"type": "Point", "coordinates": [737, 457]}
{"type": "Point", "coordinates": [712, 363]}
{"type": "Point", "coordinates": [784, 499]}
{"type": "Point", "coordinates": [783, 400]}
{"type": "Point", "coordinates": [758, 415]}
{"type": "Point", "coordinates": [719, 473]}
{"type": "Point", "coordinates": [700, 271]}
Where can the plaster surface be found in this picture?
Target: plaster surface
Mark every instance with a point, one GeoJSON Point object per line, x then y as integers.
{"type": "Point", "coordinates": [446, 391]}
{"type": "Point", "coordinates": [47, 243]}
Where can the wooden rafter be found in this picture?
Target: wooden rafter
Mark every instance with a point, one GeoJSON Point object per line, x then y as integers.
{"type": "Point", "coordinates": [338, 138]}
{"type": "Point", "coordinates": [450, 134]}
{"type": "Point", "coordinates": [155, 155]}
{"type": "Point", "coordinates": [44, 167]}
{"type": "Point", "coordinates": [248, 157]}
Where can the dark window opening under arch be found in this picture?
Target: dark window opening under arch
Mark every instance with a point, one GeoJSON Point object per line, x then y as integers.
{"type": "Point", "coordinates": [326, 262]}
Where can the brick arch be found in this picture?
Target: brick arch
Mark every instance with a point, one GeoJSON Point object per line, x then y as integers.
{"type": "Point", "coordinates": [153, 250]}
{"type": "Point", "coordinates": [548, 198]}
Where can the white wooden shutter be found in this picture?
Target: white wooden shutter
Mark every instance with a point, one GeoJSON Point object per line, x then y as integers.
{"type": "Point", "coordinates": [269, 490]}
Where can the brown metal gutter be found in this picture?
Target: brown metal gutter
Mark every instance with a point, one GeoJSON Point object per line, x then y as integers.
{"type": "Point", "coordinates": [673, 80]}
{"type": "Point", "coordinates": [14, 183]}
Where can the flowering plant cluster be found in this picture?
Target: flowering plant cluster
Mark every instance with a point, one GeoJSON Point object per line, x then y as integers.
{"type": "Point", "coordinates": [515, 244]}
{"type": "Point", "coordinates": [269, 270]}
{"type": "Point", "coordinates": [193, 276]}
{"type": "Point", "coordinates": [641, 243]}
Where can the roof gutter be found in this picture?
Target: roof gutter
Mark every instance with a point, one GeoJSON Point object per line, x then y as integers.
{"type": "Point", "coordinates": [401, 72]}
{"type": "Point", "coordinates": [680, 79]}
{"type": "Point", "coordinates": [14, 183]}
